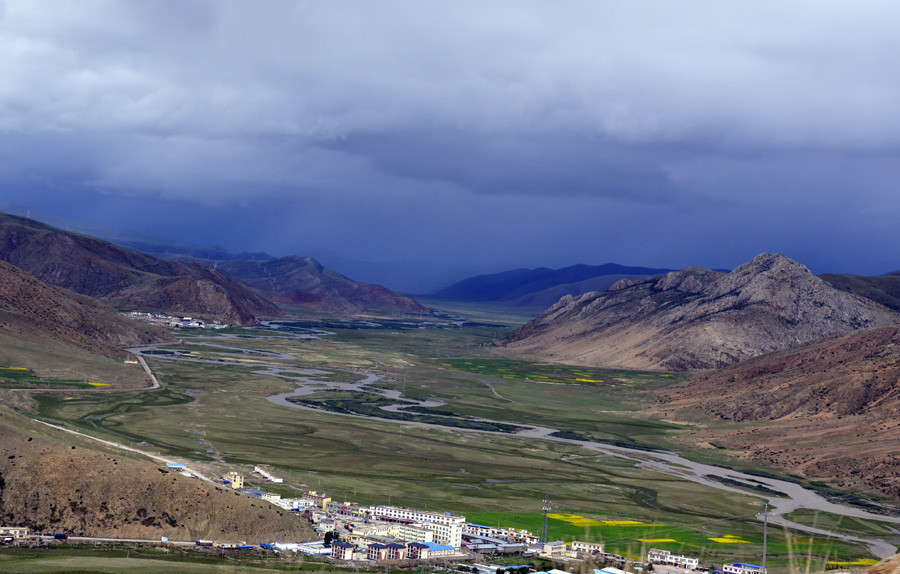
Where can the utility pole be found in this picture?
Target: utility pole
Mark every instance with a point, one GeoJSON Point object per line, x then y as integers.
{"type": "Point", "coordinates": [544, 531]}
{"type": "Point", "coordinates": [765, 534]}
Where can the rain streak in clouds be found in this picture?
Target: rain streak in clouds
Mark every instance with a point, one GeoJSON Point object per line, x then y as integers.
{"type": "Point", "coordinates": [433, 138]}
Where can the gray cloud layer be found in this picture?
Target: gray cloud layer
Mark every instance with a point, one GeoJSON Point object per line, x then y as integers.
{"type": "Point", "coordinates": [411, 129]}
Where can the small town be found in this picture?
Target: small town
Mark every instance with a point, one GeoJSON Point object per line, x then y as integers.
{"type": "Point", "coordinates": [385, 535]}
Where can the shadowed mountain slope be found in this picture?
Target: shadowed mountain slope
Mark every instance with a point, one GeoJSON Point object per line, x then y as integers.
{"type": "Point", "coordinates": [304, 281]}
{"type": "Point", "coordinates": [830, 407]}
{"type": "Point", "coordinates": [52, 482]}
{"type": "Point", "coordinates": [33, 311]}
{"type": "Point", "coordinates": [884, 289]}
{"type": "Point", "coordinates": [696, 318]}
{"type": "Point", "coordinates": [542, 286]}
{"type": "Point", "coordinates": [126, 279]}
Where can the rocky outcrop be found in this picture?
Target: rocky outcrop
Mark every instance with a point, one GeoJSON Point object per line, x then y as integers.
{"type": "Point", "coordinates": [696, 318]}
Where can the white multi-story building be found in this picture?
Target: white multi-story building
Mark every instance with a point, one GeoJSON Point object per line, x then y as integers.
{"type": "Point", "coordinates": [271, 497]}
{"type": "Point", "coordinates": [742, 568]}
{"type": "Point", "coordinates": [447, 527]}
{"type": "Point", "coordinates": [657, 556]}
{"type": "Point", "coordinates": [587, 547]}
{"type": "Point", "coordinates": [511, 534]}
{"type": "Point", "coordinates": [555, 549]}
{"type": "Point", "coordinates": [267, 475]}
{"type": "Point", "coordinates": [293, 503]}
{"type": "Point", "coordinates": [411, 533]}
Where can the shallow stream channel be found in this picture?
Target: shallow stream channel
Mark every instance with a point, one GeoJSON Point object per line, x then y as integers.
{"type": "Point", "coordinates": [785, 498]}
{"type": "Point", "coordinates": [782, 496]}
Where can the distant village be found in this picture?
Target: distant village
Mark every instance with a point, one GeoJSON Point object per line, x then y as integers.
{"type": "Point", "coordinates": [175, 322]}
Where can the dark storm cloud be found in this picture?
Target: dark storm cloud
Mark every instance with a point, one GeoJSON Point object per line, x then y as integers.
{"type": "Point", "coordinates": [689, 121]}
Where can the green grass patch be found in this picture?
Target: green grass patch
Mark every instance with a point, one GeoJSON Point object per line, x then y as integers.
{"type": "Point", "coordinates": [557, 374]}
{"type": "Point", "coordinates": [844, 524]}
{"type": "Point", "coordinates": [372, 405]}
{"type": "Point", "coordinates": [22, 378]}
{"type": "Point", "coordinates": [755, 487]}
{"type": "Point", "coordinates": [712, 541]}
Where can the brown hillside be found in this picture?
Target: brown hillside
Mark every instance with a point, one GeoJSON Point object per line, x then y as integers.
{"type": "Point", "coordinates": [696, 318]}
{"type": "Point", "coordinates": [830, 409]}
{"type": "Point", "coordinates": [37, 312]}
{"type": "Point", "coordinates": [305, 282]}
{"type": "Point", "coordinates": [889, 566]}
{"type": "Point", "coordinates": [47, 485]}
{"type": "Point", "coordinates": [125, 279]}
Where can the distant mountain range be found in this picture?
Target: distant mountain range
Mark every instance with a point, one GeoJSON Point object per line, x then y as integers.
{"type": "Point", "coordinates": [137, 281]}
{"type": "Point", "coordinates": [304, 281]}
{"type": "Point", "coordinates": [696, 318]}
{"type": "Point", "coordinates": [542, 287]}
{"type": "Point", "coordinates": [125, 279]}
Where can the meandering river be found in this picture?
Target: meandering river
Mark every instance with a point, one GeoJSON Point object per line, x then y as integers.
{"type": "Point", "coordinates": [794, 496]}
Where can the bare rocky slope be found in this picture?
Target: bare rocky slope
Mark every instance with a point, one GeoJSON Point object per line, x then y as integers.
{"type": "Point", "coordinates": [46, 315]}
{"type": "Point", "coordinates": [305, 282]}
{"type": "Point", "coordinates": [51, 483]}
{"type": "Point", "coordinates": [696, 319]}
{"type": "Point", "coordinates": [126, 279]}
{"type": "Point", "coordinates": [829, 407]}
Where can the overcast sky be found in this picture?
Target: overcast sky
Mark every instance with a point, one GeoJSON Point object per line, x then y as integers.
{"type": "Point", "coordinates": [414, 143]}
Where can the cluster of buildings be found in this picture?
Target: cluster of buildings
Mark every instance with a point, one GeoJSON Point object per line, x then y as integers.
{"type": "Point", "coordinates": [395, 533]}
{"type": "Point", "coordinates": [656, 556]}
{"type": "Point", "coordinates": [382, 533]}
{"type": "Point", "coordinates": [175, 322]}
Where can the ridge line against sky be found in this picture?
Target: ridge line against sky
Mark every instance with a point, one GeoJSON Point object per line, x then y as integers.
{"type": "Point", "coordinates": [414, 143]}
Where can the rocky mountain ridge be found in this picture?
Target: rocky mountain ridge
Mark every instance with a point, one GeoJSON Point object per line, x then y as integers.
{"type": "Point", "coordinates": [696, 318]}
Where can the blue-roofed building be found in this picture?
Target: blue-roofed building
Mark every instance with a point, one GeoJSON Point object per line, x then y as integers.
{"type": "Point", "coordinates": [435, 549]}
{"type": "Point", "coordinates": [742, 568]}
